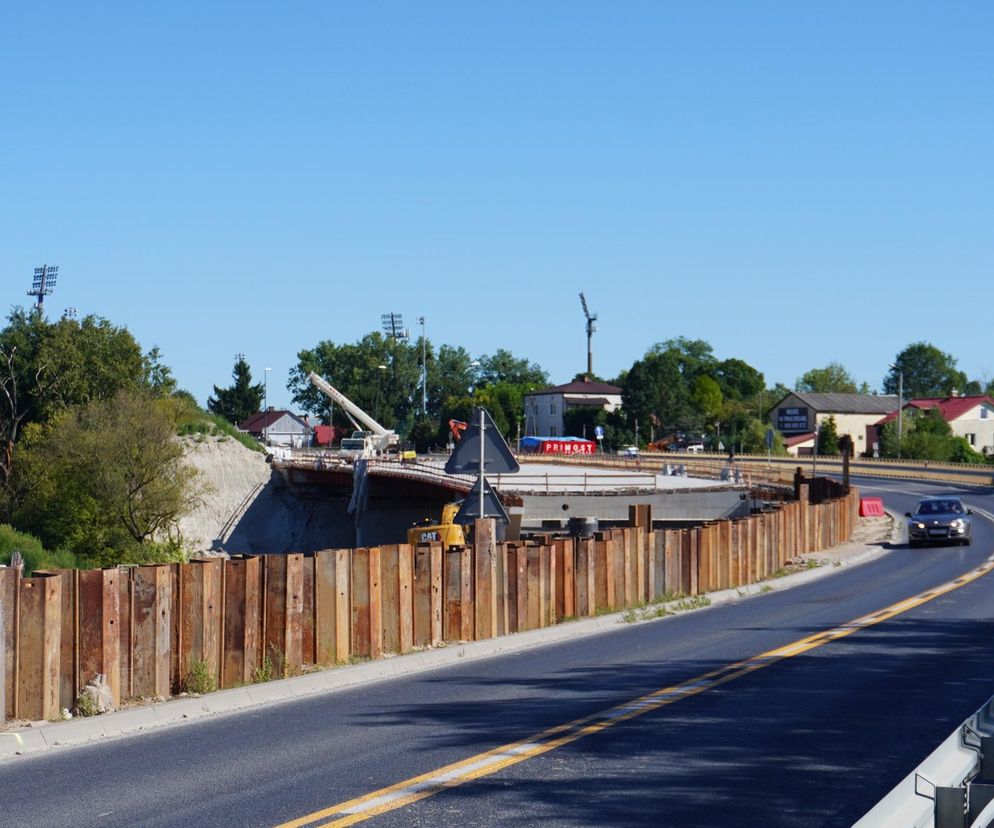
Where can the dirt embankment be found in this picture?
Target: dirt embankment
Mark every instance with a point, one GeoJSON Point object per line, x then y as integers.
{"type": "Point", "coordinates": [248, 509]}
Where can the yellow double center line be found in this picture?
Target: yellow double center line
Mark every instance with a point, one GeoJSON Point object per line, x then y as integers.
{"type": "Point", "coordinates": [484, 764]}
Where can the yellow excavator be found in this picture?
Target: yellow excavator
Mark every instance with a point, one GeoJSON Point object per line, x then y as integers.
{"type": "Point", "coordinates": [444, 531]}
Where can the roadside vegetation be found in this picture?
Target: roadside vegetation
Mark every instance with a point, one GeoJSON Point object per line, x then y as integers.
{"type": "Point", "coordinates": [91, 471]}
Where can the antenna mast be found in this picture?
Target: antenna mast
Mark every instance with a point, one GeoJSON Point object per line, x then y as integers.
{"type": "Point", "coordinates": [591, 327]}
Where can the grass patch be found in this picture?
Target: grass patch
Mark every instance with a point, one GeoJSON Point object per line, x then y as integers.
{"type": "Point", "coordinates": [274, 665]}
{"type": "Point", "coordinates": [193, 421]}
{"type": "Point", "coordinates": [766, 588]}
{"type": "Point", "coordinates": [34, 554]}
{"type": "Point", "coordinates": [664, 606]}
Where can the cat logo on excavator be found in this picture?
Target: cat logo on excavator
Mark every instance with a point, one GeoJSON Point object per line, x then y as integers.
{"type": "Point", "coordinates": [445, 531]}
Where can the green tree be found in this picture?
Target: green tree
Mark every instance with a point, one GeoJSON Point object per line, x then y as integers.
{"type": "Point", "coordinates": [928, 372]}
{"type": "Point", "coordinates": [503, 366]}
{"type": "Point", "coordinates": [655, 395]}
{"type": "Point", "coordinates": [450, 374]}
{"type": "Point", "coordinates": [379, 374]}
{"type": "Point", "coordinates": [241, 399]}
{"type": "Point", "coordinates": [47, 367]}
{"type": "Point", "coordinates": [832, 379]}
{"type": "Point", "coordinates": [738, 379]}
{"type": "Point", "coordinates": [706, 397]}
{"type": "Point", "coordinates": [693, 356]}
{"type": "Point", "coordinates": [108, 480]}
{"type": "Point", "coordinates": [828, 437]}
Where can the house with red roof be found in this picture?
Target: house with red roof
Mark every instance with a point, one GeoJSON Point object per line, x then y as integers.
{"type": "Point", "coordinates": [544, 408]}
{"type": "Point", "coordinates": [970, 417]}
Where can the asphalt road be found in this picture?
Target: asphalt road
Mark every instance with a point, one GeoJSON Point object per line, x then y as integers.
{"type": "Point", "coordinates": [814, 738]}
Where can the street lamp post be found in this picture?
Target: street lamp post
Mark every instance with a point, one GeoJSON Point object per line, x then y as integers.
{"type": "Point", "coordinates": [379, 382]}
{"type": "Point", "coordinates": [900, 406]}
{"type": "Point", "coordinates": [265, 406]}
{"type": "Point", "coordinates": [424, 368]}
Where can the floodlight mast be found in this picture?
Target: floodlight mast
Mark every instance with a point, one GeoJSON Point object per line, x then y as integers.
{"type": "Point", "coordinates": [43, 283]}
{"type": "Point", "coordinates": [591, 327]}
{"type": "Point", "coordinates": [393, 325]}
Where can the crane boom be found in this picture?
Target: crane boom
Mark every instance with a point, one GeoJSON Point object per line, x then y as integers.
{"type": "Point", "coordinates": [350, 407]}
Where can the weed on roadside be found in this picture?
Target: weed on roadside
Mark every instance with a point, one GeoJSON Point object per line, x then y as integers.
{"type": "Point", "coordinates": [200, 679]}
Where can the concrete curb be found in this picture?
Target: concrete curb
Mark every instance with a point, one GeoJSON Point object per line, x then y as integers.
{"type": "Point", "coordinates": [43, 735]}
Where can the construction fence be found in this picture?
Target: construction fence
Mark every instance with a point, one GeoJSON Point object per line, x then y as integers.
{"type": "Point", "coordinates": [245, 619]}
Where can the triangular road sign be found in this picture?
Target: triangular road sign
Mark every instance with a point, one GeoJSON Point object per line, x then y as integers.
{"type": "Point", "coordinates": [470, 509]}
{"type": "Point", "coordinates": [497, 457]}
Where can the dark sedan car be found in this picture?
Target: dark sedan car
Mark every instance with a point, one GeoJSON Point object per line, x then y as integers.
{"type": "Point", "coordinates": [940, 520]}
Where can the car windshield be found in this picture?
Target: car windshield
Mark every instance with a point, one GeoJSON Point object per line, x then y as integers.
{"type": "Point", "coordinates": [940, 507]}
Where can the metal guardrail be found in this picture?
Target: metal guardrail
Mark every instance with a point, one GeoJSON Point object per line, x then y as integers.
{"type": "Point", "coordinates": [431, 471]}
{"type": "Point", "coordinates": [782, 468]}
{"type": "Point", "coordinates": [952, 788]}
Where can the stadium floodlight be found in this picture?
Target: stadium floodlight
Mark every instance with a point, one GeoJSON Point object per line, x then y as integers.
{"type": "Point", "coordinates": [393, 326]}
{"type": "Point", "coordinates": [44, 282]}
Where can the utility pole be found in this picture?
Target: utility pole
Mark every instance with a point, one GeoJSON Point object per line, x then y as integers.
{"type": "Point", "coordinates": [591, 327]}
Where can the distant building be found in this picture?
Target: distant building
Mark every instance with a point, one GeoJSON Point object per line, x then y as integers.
{"type": "Point", "coordinates": [279, 428]}
{"type": "Point", "coordinates": [544, 408]}
{"type": "Point", "coordinates": [798, 414]}
{"type": "Point", "coordinates": [970, 417]}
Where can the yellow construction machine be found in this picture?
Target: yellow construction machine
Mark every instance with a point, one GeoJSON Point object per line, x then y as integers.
{"type": "Point", "coordinates": [444, 531]}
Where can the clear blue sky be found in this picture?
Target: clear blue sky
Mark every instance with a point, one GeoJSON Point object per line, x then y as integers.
{"type": "Point", "coordinates": [794, 182]}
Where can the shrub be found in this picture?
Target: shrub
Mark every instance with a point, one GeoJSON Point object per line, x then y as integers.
{"type": "Point", "coordinates": [34, 554]}
{"type": "Point", "coordinates": [200, 679]}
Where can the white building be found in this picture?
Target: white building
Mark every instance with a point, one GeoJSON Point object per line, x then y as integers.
{"type": "Point", "coordinates": [798, 414]}
{"type": "Point", "coordinates": [544, 408]}
{"type": "Point", "coordinates": [279, 428]}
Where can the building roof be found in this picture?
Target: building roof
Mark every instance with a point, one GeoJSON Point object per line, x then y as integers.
{"type": "Point", "coordinates": [583, 386]}
{"type": "Point", "coordinates": [951, 408]}
{"type": "Point", "coordinates": [797, 439]}
{"type": "Point", "coordinates": [265, 419]}
{"type": "Point", "coordinates": [847, 403]}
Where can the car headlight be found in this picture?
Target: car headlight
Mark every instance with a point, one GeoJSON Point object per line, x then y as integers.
{"type": "Point", "coordinates": [957, 524]}
{"type": "Point", "coordinates": [919, 526]}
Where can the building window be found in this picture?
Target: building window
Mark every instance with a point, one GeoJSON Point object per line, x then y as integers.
{"type": "Point", "coordinates": [552, 407]}
{"type": "Point", "coordinates": [971, 439]}
{"type": "Point", "coordinates": [552, 431]}
{"type": "Point", "coordinates": [984, 412]}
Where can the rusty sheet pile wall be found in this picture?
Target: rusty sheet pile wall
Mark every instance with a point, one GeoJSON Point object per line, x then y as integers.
{"type": "Point", "coordinates": [251, 618]}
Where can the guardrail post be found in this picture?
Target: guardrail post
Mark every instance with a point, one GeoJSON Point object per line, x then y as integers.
{"type": "Point", "coordinates": [950, 807]}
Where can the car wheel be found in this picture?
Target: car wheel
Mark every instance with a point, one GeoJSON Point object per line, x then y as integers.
{"type": "Point", "coordinates": [914, 544]}
{"type": "Point", "coordinates": [966, 541]}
